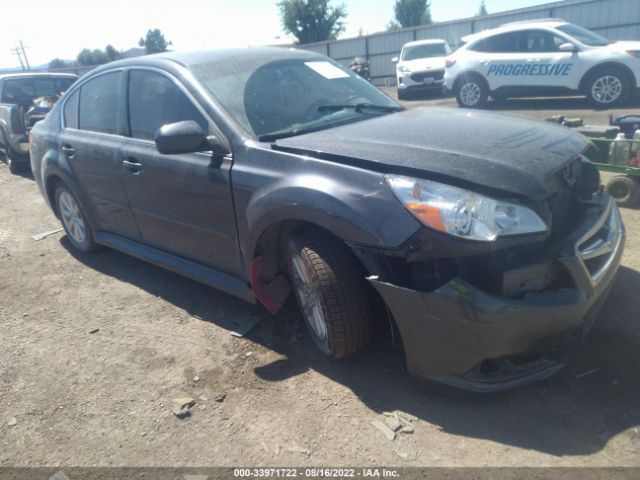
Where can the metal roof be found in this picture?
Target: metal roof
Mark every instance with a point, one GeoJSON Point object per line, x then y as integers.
{"type": "Point", "coordinates": [37, 75]}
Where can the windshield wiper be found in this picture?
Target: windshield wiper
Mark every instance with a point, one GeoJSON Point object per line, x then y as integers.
{"type": "Point", "coordinates": [269, 137]}
{"type": "Point", "coordinates": [358, 107]}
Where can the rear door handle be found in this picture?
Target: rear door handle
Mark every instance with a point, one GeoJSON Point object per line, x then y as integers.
{"type": "Point", "coordinates": [132, 165]}
{"type": "Point", "coordinates": [68, 151]}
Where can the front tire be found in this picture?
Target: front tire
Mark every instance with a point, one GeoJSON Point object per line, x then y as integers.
{"type": "Point", "coordinates": [74, 220]}
{"type": "Point", "coordinates": [331, 292]}
{"type": "Point", "coordinates": [472, 92]}
{"type": "Point", "coordinates": [608, 88]}
{"type": "Point", "coordinates": [625, 190]}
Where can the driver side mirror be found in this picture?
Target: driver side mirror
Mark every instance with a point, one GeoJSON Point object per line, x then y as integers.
{"type": "Point", "coordinates": [187, 137]}
{"type": "Point", "coordinates": [568, 47]}
{"type": "Point", "coordinates": [395, 60]}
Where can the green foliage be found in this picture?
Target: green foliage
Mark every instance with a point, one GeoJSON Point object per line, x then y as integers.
{"type": "Point", "coordinates": [154, 42]}
{"type": "Point", "coordinates": [57, 63]}
{"type": "Point", "coordinates": [411, 13]}
{"type": "Point", "coordinates": [111, 53]}
{"type": "Point", "coordinates": [482, 10]}
{"type": "Point", "coordinates": [92, 57]}
{"type": "Point", "coordinates": [392, 26]}
{"type": "Point", "coordinates": [312, 20]}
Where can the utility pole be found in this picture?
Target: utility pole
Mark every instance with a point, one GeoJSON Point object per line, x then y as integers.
{"type": "Point", "coordinates": [15, 51]}
{"type": "Point", "coordinates": [24, 53]}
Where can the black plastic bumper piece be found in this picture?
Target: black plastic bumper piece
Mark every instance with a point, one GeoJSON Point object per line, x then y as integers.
{"type": "Point", "coordinates": [466, 338]}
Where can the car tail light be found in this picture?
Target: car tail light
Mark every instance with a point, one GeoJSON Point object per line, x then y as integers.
{"type": "Point", "coordinates": [634, 53]}
{"type": "Point", "coordinates": [448, 62]}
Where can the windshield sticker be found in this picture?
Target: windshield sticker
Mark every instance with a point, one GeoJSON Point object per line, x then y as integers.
{"type": "Point", "coordinates": [327, 70]}
{"type": "Point", "coordinates": [545, 69]}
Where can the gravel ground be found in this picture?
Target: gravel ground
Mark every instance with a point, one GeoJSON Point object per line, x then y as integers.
{"type": "Point", "coordinates": [96, 347]}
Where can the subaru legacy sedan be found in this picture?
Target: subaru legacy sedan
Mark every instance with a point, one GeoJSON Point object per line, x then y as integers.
{"type": "Point", "coordinates": [484, 240]}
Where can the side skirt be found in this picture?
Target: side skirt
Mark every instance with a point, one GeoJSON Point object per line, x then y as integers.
{"type": "Point", "coordinates": [193, 270]}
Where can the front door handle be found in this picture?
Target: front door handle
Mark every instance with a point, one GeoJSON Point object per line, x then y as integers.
{"type": "Point", "coordinates": [68, 151]}
{"type": "Point", "coordinates": [132, 165]}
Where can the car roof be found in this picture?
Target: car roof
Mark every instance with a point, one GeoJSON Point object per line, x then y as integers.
{"type": "Point", "coordinates": [37, 74]}
{"type": "Point", "coordinates": [188, 58]}
{"type": "Point", "coordinates": [514, 27]}
{"type": "Point", "coordinates": [424, 42]}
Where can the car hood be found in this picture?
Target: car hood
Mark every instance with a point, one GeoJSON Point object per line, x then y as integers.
{"type": "Point", "coordinates": [505, 152]}
{"type": "Point", "coordinates": [623, 46]}
{"type": "Point", "coordinates": [420, 64]}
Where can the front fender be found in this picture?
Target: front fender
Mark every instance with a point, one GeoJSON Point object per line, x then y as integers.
{"type": "Point", "coordinates": [309, 204]}
{"type": "Point", "coordinates": [352, 203]}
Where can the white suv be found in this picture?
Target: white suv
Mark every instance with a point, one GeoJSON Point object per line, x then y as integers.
{"type": "Point", "coordinates": [421, 66]}
{"type": "Point", "coordinates": [542, 58]}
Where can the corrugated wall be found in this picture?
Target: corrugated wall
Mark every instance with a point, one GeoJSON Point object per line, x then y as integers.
{"type": "Point", "coordinates": [614, 19]}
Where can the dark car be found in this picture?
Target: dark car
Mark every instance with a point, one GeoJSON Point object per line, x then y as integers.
{"type": "Point", "coordinates": [26, 98]}
{"type": "Point", "coordinates": [485, 238]}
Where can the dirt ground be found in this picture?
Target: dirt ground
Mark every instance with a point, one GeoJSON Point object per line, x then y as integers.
{"type": "Point", "coordinates": [93, 348]}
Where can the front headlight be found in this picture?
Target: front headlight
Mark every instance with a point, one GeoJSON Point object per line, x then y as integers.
{"type": "Point", "coordinates": [403, 69]}
{"type": "Point", "coordinates": [461, 212]}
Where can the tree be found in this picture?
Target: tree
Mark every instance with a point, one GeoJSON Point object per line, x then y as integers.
{"type": "Point", "coordinates": [85, 57]}
{"type": "Point", "coordinates": [411, 13]}
{"type": "Point", "coordinates": [312, 20]}
{"type": "Point", "coordinates": [111, 52]}
{"type": "Point", "coordinates": [154, 42]}
{"type": "Point", "coordinates": [482, 10]}
{"type": "Point", "coordinates": [92, 57]}
{"type": "Point", "coordinates": [392, 26]}
{"type": "Point", "coordinates": [57, 63]}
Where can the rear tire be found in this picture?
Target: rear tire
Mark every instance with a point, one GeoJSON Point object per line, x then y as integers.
{"type": "Point", "coordinates": [624, 189]}
{"type": "Point", "coordinates": [471, 91]}
{"type": "Point", "coordinates": [79, 232]}
{"type": "Point", "coordinates": [608, 87]}
{"type": "Point", "coordinates": [331, 291]}
{"type": "Point", "coordinates": [12, 158]}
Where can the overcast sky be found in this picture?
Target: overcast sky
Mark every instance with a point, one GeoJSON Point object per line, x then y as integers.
{"type": "Point", "coordinates": [61, 28]}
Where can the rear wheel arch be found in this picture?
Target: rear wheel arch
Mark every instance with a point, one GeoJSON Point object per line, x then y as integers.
{"type": "Point", "coordinates": [604, 66]}
{"type": "Point", "coordinates": [470, 73]}
{"type": "Point", "coordinates": [51, 182]}
{"type": "Point", "coordinates": [471, 90]}
{"type": "Point", "coordinates": [50, 185]}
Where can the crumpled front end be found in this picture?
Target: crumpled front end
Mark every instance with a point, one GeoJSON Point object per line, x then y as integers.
{"type": "Point", "coordinates": [466, 333]}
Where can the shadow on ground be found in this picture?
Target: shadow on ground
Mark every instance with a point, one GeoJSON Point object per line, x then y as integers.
{"type": "Point", "coordinates": [574, 413]}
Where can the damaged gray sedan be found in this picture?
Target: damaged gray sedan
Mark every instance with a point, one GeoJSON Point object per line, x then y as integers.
{"type": "Point", "coordinates": [484, 240]}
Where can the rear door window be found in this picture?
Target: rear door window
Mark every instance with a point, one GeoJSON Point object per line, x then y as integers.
{"type": "Point", "coordinates": [154, 101]}
{"type": "Point", "coordinates": [509, 42]}
{"type": "Point", "coordinates": [100, 99]}
{"type": "Point", "coordinates": [71, 110]}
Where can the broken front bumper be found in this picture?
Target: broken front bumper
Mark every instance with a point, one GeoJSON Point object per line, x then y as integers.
{"type": "Point", "coordinates": [466, 338]}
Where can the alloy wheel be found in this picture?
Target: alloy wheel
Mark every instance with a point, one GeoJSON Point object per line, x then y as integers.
{"type": "Point", "coordinates": [309, 297]}
{"type": "Point", "coordinates": [606, 89]}
{"type": "Point", "coordinates": [72, 218]}
{"type": "Point", "coordinates": [470, 93]}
